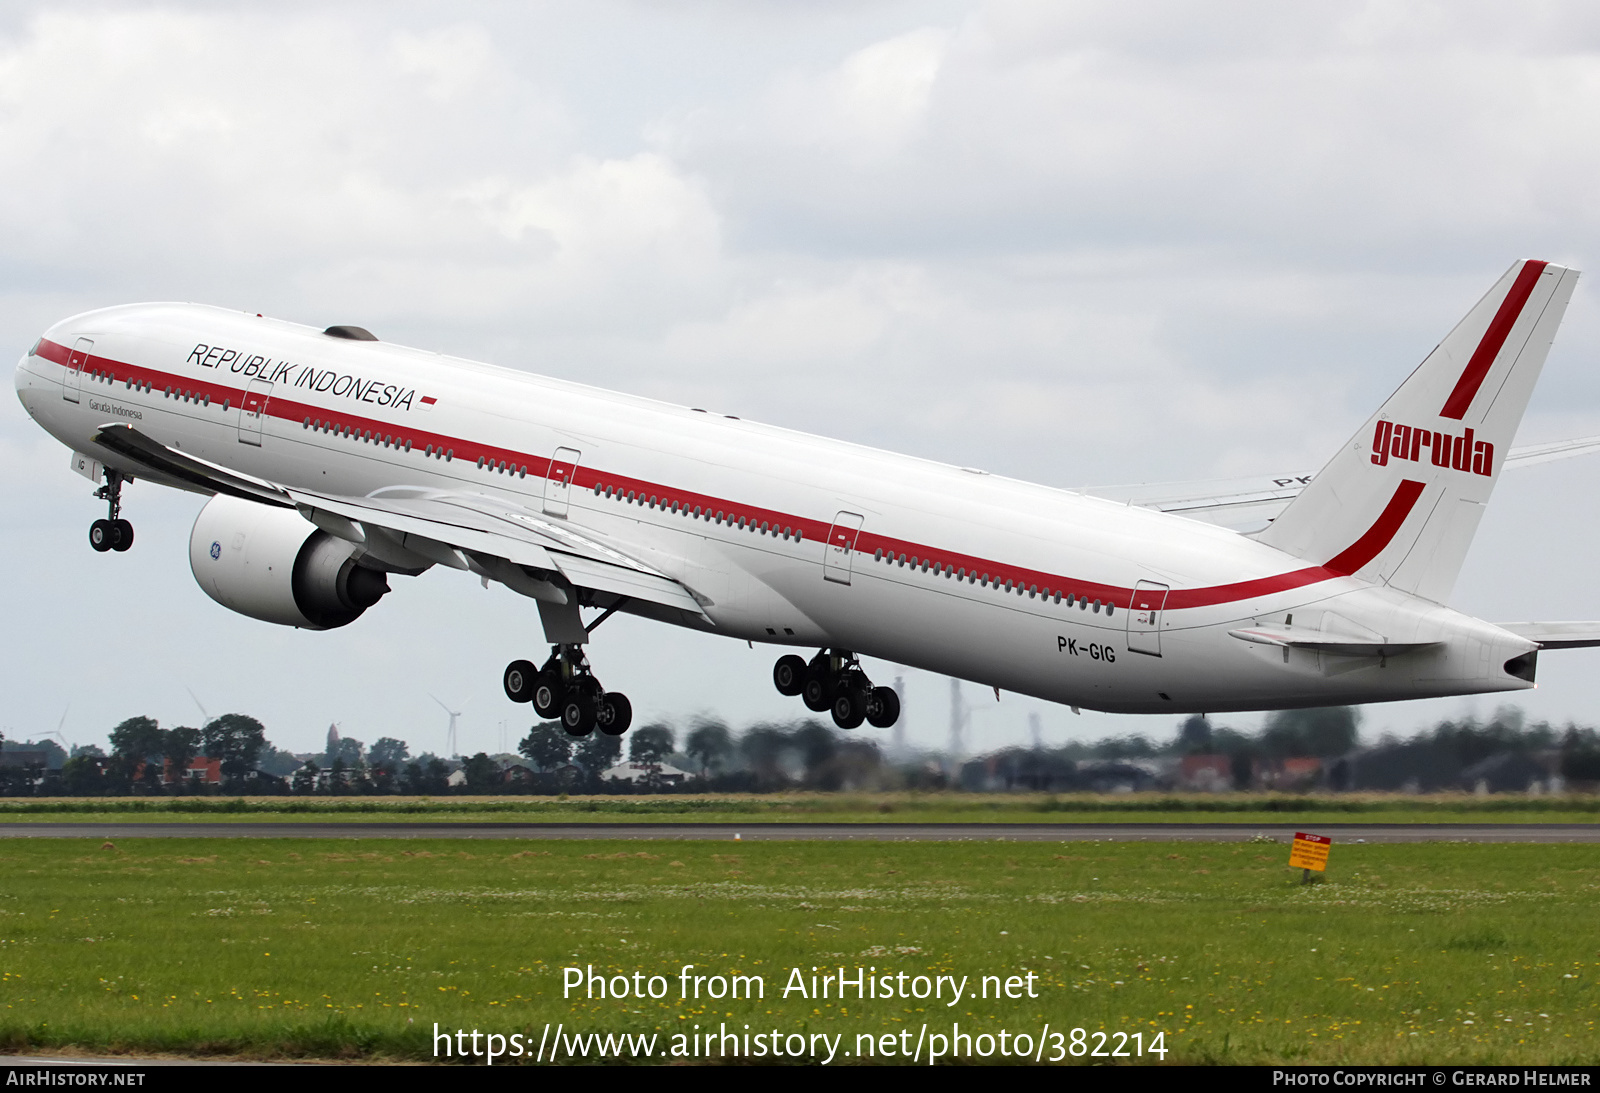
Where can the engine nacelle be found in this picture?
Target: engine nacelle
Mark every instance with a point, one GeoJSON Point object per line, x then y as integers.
{"type": "Point", "coordinates": [271, 564]}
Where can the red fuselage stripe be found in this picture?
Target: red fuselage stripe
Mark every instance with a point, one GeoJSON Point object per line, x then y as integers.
{"type": "Point", "coordinates": [867, 543]}
{"type": "Point", "coordinates": [1494, 339]}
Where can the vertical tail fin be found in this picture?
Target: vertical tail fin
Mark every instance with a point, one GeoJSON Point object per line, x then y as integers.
{"type": "Point", "coordinates": [1401, 500]}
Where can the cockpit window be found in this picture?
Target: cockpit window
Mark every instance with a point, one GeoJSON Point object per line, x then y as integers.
{"type": "Point", "coordinates": [34, 352]}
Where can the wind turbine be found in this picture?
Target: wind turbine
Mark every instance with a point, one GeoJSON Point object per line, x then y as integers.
{"type": "Point", "coordinates": [206, 717]}
{"type": "Point", "coordinates": [450, 741]}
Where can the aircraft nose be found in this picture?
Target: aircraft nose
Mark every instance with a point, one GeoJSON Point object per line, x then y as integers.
{"type": "Point", "coordinates": [25, 379]}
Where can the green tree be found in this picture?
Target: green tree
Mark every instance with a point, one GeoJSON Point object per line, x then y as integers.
{"type": "Point", "coordinates": [305, 779]}
{"type": "Point", "coordinates": [428, 774]}
{"type": "Point", "coordinates": [137, 740]}
{"type": "Point", "coordinates": [276, 761]}
{"type": "Point", "coordinates": [1326, 731]}
{"type": "Point", "coordinates": [598, 753]}
{"type": "Point", "coordinates": [710, 743]}
{"type": "Point", "coordinates": [178, 748]}
{"type": "Point", "coordinates": [650, 744]}
{"type": "Point", "coordinates": [763, 747]}
{"type": "Point", "coordinates": [816, 744]}
{"type": "Point", "coordinates": [388, 753]}
{"type": "Point", "coordinates": [351, 750]}
{"type": "Point", "coordinates": [547, 746]}
{"type": "Point", "coordinates": [483, 773]}
{"type": "Point", "coordinates": [1194, 735]}
{"type": "Point", "coordinates": [83, 775]}
{"type": "Point", "coordinates": [236, 739]}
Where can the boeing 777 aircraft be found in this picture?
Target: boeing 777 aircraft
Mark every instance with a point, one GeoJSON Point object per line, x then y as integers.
{"type": "Point", "coordinates": [336, 462]}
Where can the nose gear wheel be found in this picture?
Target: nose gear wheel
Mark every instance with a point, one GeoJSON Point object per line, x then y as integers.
{"type": "Point", "coordinates": [112, 533]}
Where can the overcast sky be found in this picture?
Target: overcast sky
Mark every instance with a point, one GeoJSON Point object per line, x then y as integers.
{"type": "Point", "coordinates": [1076, 243]}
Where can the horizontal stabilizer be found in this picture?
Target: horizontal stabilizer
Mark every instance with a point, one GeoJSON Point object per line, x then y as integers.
{"type": "Point", "coordinates": [1293, 637]}
{"type": "Point", "coordinates": [1556, 635]}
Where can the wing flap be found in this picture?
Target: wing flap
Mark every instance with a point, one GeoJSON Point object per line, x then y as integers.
{"type": "Point", "coordinates": [631, 582]}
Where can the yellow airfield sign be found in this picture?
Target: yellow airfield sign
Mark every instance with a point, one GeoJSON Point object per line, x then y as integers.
{"type": "Point", "coordinates": [1309, 852]}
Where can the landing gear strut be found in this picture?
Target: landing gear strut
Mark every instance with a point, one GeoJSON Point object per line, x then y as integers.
{"type": "Point", "coordinates": [112, 533]}
{"type": "Point", "coordinates": [565, 689]}
{"type": "Point", "coordinates": [834, 681]}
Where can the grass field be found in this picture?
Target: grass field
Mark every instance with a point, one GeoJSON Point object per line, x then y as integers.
{"type": "Point", "coordinates": [1262, 808]}
{"type": "Point", "coordinates": [1406, 953]}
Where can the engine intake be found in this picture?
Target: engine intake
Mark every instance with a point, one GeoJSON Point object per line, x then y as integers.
{"type": "Point", "coordinates": [271, 564]}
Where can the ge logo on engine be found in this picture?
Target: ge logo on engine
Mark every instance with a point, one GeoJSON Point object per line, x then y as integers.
{"type": "Point", "coordinates": [216, 550]}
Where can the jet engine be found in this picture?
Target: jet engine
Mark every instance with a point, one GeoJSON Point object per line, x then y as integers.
{"type": "Point", "coordinates": [271, 564]}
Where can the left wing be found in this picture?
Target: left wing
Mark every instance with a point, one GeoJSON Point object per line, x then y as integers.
{"type": "Point", "coordinates": [409, 529]}
{"type": "Point", "coordinates": [493, 537]}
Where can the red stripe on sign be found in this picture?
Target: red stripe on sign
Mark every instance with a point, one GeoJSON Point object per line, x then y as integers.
{"type": "Point", "coordinates": [1301, 835]}
{"type": "Point", "coordinates": [1381, 533]}
{"type": "Point", "coordinates": [1494, 339]}
{"type": "Point", "coordinates": [428, 400]}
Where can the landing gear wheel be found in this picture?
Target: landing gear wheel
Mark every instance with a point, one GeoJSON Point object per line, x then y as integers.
{"type": "Point", "coordinates": [883, 707]}
{"type": "Point", "coordinates": [519, 680]}
{"type": "Point", "coordinates": [121, 535]}
{"type": "Point", "coordinates": [577, 715]}
{"type": "Point", "coordinates": [615, 714]}
{"type": "Point", "coordinates": [789, 675]}
{"type": "Point", "coordinates": [816, 694]}
{"type": "Point", "coordinates": [546, 696]}
{"type": "Point", "coordinates": [849, 709]}
{"type": "Point", "coordinates": [101, 535]}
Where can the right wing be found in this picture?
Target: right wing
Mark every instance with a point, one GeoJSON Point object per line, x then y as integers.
{"type": "Point", "coordinates": [1250, 504]}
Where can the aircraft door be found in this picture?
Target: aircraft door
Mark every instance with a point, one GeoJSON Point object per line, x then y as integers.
{"type": "Point", "coordinates": [558, 483]}
{"type": "Point", "coordinates": [840, 550]}
{"type": "Point", "coordinates": [72, 382]}
{"type": "Point", "coordinates": [1144, 618]}
{"type": "Point", "coordinates": [253, 411]}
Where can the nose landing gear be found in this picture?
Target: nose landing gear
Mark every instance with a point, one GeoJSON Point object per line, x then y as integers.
{"type": "Point", "coordinates": [566, 690]}
{"type": "Point", "coordinates": [112, 533]}
{"type": "Point", "coordinates": [834, 681]}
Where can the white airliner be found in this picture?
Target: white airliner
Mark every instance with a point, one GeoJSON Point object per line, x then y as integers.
{"type": "Point", "coordinates": [336, 460]}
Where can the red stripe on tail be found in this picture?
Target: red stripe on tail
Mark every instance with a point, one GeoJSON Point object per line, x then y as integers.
{"type": "Point", "coordinates": [1381, 533]}
{"type": "Point", "coordinates": [1493, 340]}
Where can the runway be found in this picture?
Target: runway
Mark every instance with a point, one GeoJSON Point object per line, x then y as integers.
{"type": "Point", "coordinates": [836, 832]}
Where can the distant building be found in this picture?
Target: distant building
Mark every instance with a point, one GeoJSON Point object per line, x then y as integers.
{"type": "Point", "coordinates": [628, 771]}
{"type": "Point", "coordinates": [1207, 773]}
{"type": "Point", "coordinates": [1511, 772]}
{"type": "Point", "coordinates": [201, 771]}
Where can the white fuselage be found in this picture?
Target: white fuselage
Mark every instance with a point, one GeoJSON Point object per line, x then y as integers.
{"type": "Point", "coordinates": [1014, 585]}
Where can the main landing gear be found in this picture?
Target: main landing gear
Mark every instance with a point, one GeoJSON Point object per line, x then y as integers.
{"type": "Point", "coordinates": [565, 689]}
{"type": "Point", "coordinates": [112, 533]}
{"type": "Point", "coordinates": [834, 681]}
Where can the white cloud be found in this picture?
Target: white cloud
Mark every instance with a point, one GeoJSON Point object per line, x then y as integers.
{"type": "Point", "coordinates": [1078, 243]}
